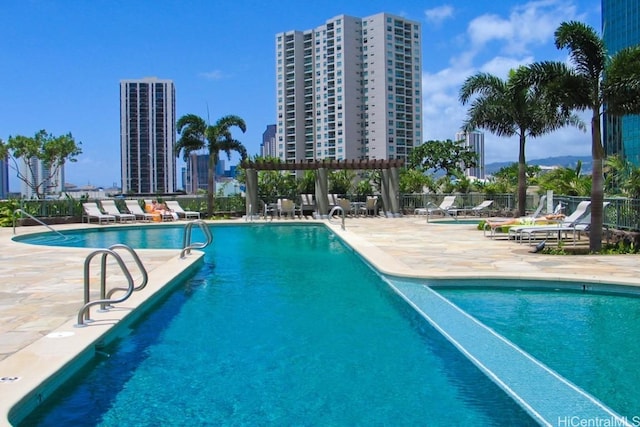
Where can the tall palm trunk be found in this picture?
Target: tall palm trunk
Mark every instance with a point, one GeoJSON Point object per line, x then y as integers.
{"type": "Point", "coordinates": [597, 186]}
{"type": "Point", "coordinates": [522, 176]}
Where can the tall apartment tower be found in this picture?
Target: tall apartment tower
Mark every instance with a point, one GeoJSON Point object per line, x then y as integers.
{"type": "Point", "coordinates": [268, 146]}
{"type": "Point", "coordinates": [4, 178]}
{"type": "Point", "coordinates": [50, 182]}
{"type": "Point", "coordinates": [350, 89]}
{"type": "Point", "coordinates": [474, 141]}
{"type": "Point", "coordinates": [148, 136]}
{"type": "Point", "coordinates": [620, 29]}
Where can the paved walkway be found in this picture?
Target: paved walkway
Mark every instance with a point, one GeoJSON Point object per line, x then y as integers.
{"type": "Point", "coordinates": [41, 287]}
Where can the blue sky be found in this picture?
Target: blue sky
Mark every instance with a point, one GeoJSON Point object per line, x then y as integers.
{"type": "Point", "coordinates": [61, 62]}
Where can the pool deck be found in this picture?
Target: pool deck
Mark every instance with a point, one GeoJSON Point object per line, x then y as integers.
{"type": "Point", "coordinates": [41, 287]}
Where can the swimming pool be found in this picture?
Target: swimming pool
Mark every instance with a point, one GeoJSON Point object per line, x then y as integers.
{"type": "Point", "coordinates": [584, 336]}
{"type": "Point", "coordinates": [445, 353]}
{"type": "Point", "coordinates": [283, 325]}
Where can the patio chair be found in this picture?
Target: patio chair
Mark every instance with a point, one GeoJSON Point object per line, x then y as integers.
{"type": "Point", "coordinates": [578, 221]}
{"type": "Point", "coordinates": [567, 223]}
{"type": "Point", "coordinates": [91, 210]}
{"type": "Point", "coordinates": [159, 212]}
{"type": "Point", "coordinates": [286, 207]}
{"type": "Point", "coordinates": [268, 209]}
{"type": "Point", "coordinates": [307, 203]}
{"type": "Point", "coordinates": [175, 207]}
{"type": "Point", "coordinates": [476, 210]}
{"type": "Point", "coordinates": [494, 224]}
{"type": "Point", "coordinates": [370, 206]}
{"type": "Point", "coordinates": [134, 208]}
{"type": "Point", "coordinates": [444, 207]}
{"type": "Point", "coordinates": [109, 206]}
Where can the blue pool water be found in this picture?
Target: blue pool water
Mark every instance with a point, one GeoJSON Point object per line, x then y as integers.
{"type": "Point", "coordinates": [284, 325]}
{"type": "Point", "coordinates": [592, 339]}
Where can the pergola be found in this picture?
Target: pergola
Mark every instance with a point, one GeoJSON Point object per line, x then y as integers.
{"type": "Point", "coordinates": [389, 190]}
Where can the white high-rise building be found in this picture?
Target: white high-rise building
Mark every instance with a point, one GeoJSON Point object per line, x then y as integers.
{"type": "Point", "coordinates": [474, 141]}
{"type": "Point", "coordinates": [148, 136]}
{"type": "Point", "coordinates": [350, 89]}
{"type": "Point", "coordinates": [48, 182]}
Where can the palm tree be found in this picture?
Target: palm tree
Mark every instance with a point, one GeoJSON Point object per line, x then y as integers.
{"type": "Point", "coordinates": [594, 82]}
{"type": "Point", "coordinates": [509, 108]}
{"type": "Point", "coordinates": [197, 135]}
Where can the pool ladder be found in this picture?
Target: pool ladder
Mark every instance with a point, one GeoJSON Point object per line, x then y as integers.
{"type": "Point", "coordinates": [186, 240]}
{"type": "Point", "coordinates": [106, 298]}
{"type": "Point", "coordinates": [337, 209]}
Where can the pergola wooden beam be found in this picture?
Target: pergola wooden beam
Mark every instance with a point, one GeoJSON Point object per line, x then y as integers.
{"type": "Point", "coordinates": [323, 164]}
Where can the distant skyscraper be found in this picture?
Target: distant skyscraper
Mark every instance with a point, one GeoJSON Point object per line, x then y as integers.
{"type": "Point", "coordinates": [475, 142]}
{"type": "Point", "coordinates": [620, 29]}
{"type": "Point", "coordinates": [268, 146]}
{"type": "Point", "coordinates": [197, 170]}
{"type": "Point", "coordinates": [48, 182]}
{"type": "Point", "coordinates": [148, 136]}
{"type": "Point", "coordinates": [4, 179]}
{"type": "Point", "coordinates": [350, 89]}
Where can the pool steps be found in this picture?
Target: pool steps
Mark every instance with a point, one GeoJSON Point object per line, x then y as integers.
{"type": "Point", "coordinates": [548, 397]}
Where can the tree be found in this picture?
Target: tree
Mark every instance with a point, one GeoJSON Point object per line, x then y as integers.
{"type": "Point", "coordinates": [413, 180]}
{"type": "Point", "coordinates": [448, 156]}
{"type": "Point", "coordinates": [45, 148]}
{"type": "Point", "coordinates": [567, 181]}
{"type": "Point", "coordinates": [197, 135]}
{"type": "Point", "coordinates": [593, 82]}
{"type": "Point", "coordinates": [513, 108]}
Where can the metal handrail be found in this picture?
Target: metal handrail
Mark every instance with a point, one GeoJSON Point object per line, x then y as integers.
{"type": "Point", "coordinates": [84, 312]}
{"type": "Point", "coordinates": [136, 259]}
{"type": "Point", "coordinates": [186, 241]}
{"type": "Point", "coordinates": [36, 220]}
{"type": "Point", "coordinates": [336, 209]}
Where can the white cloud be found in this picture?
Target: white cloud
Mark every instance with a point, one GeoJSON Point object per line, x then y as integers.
{"type": "Point", "coordinates": [528, 25]}
{"type": "Point", "coordinates": [495, 45]}
{"type": "Point", "coordinates": [213, 75]}
{"type": "Point", "coordinates": [438, 14]}
{"type": "Point", "coordinates": [500, 65]}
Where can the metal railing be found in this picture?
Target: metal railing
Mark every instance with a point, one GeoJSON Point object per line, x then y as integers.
{"type": "Point", "coordinates": [36, 220]}
{"type": "Point", "coordinates": [186, 240]}
{"type": "Point", "coordinates": [106, 298]}
{"type": "Point", "coordinates": [336, 209]}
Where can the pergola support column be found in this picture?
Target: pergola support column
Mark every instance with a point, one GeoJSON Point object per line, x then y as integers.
{"type": "Point", "coordinates": [322, 195]}
{"type": "Point", "coordinates": [252, 195]}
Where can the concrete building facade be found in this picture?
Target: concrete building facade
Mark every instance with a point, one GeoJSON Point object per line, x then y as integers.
{"type": "Point", "coordinates": [350, 89]}
{"type": "Point", "coordinates": [148, 136]}
{"type": "Point", "coordinates": [48, 182]}
{"type": "Point", "coordinates": [268, 145]}
{"type": "Point", "coordinates": [474, 141]}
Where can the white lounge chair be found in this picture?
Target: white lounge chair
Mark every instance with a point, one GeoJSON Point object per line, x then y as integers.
{"type": "Point", "coordinates": [307, 203]}
{"type": "Point", "coordinates": [109, 206]}
{"type": "Point", "coordinates": [134, 208]}
{"type": "Point", "coordinates": [494, 224]}
{"type": "Point", "coordinates": [476, 210]}
{"type": "Point", "coordinates": [175, 206]}
{"type": "Point", "coordinates": [444, 207]}
{"type": "Point", "coordinates": [572, 223]}
{"type": "Point", "coordinates": [91, 211]}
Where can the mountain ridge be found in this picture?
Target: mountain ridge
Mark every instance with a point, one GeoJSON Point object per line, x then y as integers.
{"type": "Point", "coordinates": [563, 161]}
